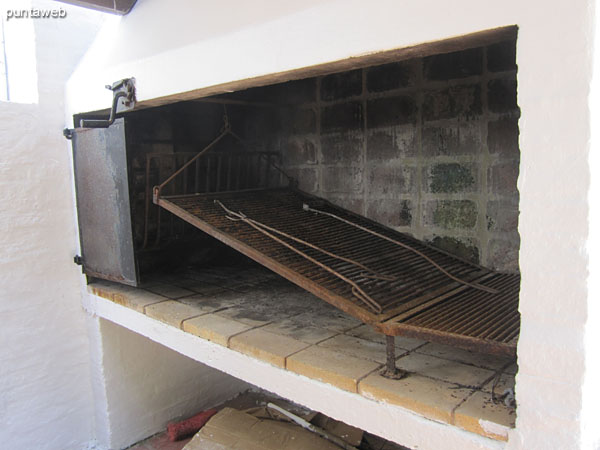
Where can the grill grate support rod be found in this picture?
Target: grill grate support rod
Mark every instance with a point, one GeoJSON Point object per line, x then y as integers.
{"type": "Point", "coordinates": [391, 371]}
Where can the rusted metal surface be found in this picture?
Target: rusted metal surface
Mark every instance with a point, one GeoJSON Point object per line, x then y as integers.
{"type": "Point", "coordinates": [477, 320]}
{"type": "Point", "coordinates": [411, 290]}
{"type": "Point", "coordinates": [213, 172]}
{"type": "Point", "coordinates": [103, 203]}
{"type": "Point", "coordinates": [391, 371]}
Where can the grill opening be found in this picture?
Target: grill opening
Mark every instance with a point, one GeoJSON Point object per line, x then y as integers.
{"type": "Point", "coordinates": [423, 151]}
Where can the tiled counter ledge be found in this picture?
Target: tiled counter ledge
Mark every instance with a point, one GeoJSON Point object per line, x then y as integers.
{"type": "Point", "coordinates": [284, 330]}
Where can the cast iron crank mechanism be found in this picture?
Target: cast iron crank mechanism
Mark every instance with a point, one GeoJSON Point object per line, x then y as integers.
{"type": "Point", "coordinates": [122, 89]}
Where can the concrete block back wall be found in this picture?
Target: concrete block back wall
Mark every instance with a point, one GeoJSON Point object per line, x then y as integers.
{"type": "Point", "coordinates": [427, 146]}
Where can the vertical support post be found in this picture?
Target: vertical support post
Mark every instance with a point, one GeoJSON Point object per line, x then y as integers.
{"type": "Point", "coordinates": [390, 347]}
{"type": "Point", "coordinates": [391, 371]}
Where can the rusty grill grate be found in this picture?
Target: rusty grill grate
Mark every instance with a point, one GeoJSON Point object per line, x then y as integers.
{"type": "Point", "coordinates": [469, 318]}
{"type": "Point", "coordinates": [214, 172]}
{"type": "Point", "coordinates": [411, 296]}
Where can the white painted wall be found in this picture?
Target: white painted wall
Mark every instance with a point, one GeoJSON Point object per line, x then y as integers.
{"type": "Point", "coordinates": [591, 386]}
{"type": "Point", "coordinates": [45, 395]}
{"type": "Point", "coordinates": [178, 46]}
{"type": "Point", "coordinates": [144, 385]}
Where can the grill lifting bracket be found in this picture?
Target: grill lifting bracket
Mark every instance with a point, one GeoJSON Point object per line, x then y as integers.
{"type": "Point", "coordinates": [123, 100]}
{"type": "Point", "coordinates": [122, 89]}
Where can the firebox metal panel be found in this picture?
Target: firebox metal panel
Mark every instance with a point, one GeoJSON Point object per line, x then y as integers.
{"type": "Point", "coordinates": [103, 206]}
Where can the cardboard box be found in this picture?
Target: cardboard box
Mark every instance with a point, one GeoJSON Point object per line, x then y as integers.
{"type": "Point", "coordinates": [237, 430]}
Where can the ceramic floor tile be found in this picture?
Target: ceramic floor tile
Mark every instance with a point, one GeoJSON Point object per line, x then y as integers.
{"type": "Point", "coordinates": [172, 312]}
{"type": "Point", "coordinates": [443, 369]}
{"type": "Point", "coordinates": [239, 287]}
{"type": "Point", "coordinates": [500, 384]}
{"type": "Point", "coordinates": [479, 414]}
{"type": "Point", "coordinates": [208, 303]}
{"type": "Point", "coordinates": [456, 354]}
{"type": "Point", "coordinates": [214, 328]}
{"type": "Point", "coordinates": [245, 315]}
{"type": "Point", "coordinates": [169, 290]}
{"type": "Point", "coordinates": [269, 347]}
{"type": "Point", "coordinates": [205, 288]}
{"type": "Point", "coordinates": [359, 348]}
{"type": "Point", "coordinates": [430, 398]}
{"type": "Point", "coordinates": [330, 366]}
{"type": "Point", "coordinates": [328, 317]}
{"type": "Point", "coordinates": [136, 299]}
{"type": "Point", "coordinates": [367, 332]}
{"type": "Point", "coordinates": [296, 330]}
{"type": "Point", "coordinates": [262, 306]}
{"type": "Point", "coordinates": [205, 278]}
{"type": "Point", "coordinates": [280, 284]}
{"type": "Point", "coordinates": [181, 281]}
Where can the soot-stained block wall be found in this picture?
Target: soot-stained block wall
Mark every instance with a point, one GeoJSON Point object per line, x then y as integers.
{"type": "Point", "coordinates": [427, 146]}
{"type": "Point", "coordinates": [159, 141]}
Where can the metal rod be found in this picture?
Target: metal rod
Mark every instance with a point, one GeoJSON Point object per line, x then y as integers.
{"type": "Point", "coordinates": [105, 123]}
{"type": "Point", "coordinates": [390, 348]}
{"type": "Point", "coordinates": [208, 160]}
{"type": "Point", "coordinates": [197, 176]}
{"type": "Point", "coordinates": [219, 169]}
{"type": "Point", "coordinates": [158, 189]}
{"type": "Point", "coordinates": [391, 371]}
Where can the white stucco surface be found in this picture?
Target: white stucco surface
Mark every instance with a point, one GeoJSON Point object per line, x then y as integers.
{"type": "Point", "coordinates": [554, 53]}
{"type": "Point", "coordinates": [591, 386]}
{"type": "Point", "coordinates": [145, 385]}
{"type": "Point", "coordinates": [45, 390]}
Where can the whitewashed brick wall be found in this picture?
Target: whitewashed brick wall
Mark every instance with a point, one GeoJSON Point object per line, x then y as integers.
{"type": "Point", "coordinates": [45, 389]}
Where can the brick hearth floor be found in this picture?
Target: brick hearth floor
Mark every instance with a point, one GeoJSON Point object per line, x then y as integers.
{"type": "Point", "coordinates": [255, 312]}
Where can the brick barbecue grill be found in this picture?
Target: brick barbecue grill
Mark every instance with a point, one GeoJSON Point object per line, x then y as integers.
{"type": "Point", "coordinates": [414, 149]}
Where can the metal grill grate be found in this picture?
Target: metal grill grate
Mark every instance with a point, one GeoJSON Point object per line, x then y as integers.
{"type": "Point", "coordinates": [411, 296]}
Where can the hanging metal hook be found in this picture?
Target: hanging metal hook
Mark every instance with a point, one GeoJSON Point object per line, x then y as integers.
{"type": "Point", "coordinates": [226, 125]}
